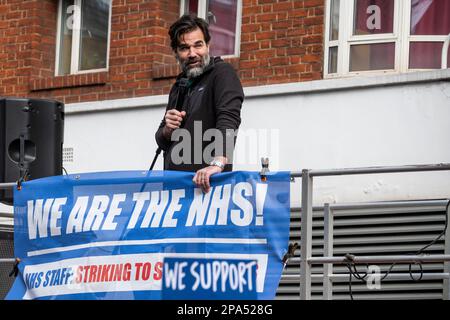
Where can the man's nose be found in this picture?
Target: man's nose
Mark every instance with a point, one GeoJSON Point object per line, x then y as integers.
{"type": "Point", "coordinates": [192, 52]}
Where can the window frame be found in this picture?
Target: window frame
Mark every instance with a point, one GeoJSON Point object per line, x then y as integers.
{"type": "Point", "coordinates": [76, 32]}
{"type": "Point", "coordinates": [401, 37]}
{"type": "Point", "coordinates": [201, 12]}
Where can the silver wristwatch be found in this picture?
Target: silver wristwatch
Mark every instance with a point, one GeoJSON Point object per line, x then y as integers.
{"type": "Point", "coordinates": [217, 163]}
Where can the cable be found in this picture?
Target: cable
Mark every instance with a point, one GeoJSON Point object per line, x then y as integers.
{"type": "Point", "coordinates": [435, 240]}
{"type": "Point", "coordinates": [388, 272]}
{"type": "Point", "coordinates": [439, 236]}
{"type": "Point", "coordinates": [350, 281]}
{"type": "Point", "coordinates": [357, 275]}
{"type": "Point", "coordinates": [15, 270]}
{"type": "Point", "coordinates": [421, 272]}
{"type": "Point", "coordinates": [420, 251]}
{"type": "Point", "coordinates": [289, 254]}
{"type": "Point", "coordinates": [22, 179]}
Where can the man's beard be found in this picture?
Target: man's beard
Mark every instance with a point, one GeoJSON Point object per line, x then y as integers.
{"type": "Point", "coordinates": [195, 71]}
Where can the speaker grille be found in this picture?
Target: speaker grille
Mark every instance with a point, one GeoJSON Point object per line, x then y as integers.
{"type": "Point", "coordinates": [31, 138]}
{"type": "Point", "coordinates": [67, 155]}
{"type": "Point", "coordinates": [6, 252]}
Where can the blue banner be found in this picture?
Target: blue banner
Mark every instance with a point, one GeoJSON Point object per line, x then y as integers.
{"type": "Point", "coordinates": [106, 235]}
{"type": "Point", "coordinates": [205, 279]}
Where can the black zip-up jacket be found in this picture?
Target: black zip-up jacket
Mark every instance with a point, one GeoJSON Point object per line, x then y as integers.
{"type": "Point", "coordinates": [214, 98]}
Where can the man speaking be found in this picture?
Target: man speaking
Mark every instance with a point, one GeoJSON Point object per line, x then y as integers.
{"type": "Point", "coordinates": [198, 132]}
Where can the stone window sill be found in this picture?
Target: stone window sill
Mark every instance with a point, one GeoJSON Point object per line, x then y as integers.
{"type": "Point", "coordinates": [68, 81]}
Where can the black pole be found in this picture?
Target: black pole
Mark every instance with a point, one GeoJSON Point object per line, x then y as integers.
{"type": "Point", "coordinates": [158, 151]}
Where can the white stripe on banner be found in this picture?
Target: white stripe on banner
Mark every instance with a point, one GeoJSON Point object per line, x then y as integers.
{"type": "Point", "coordinates": [147, 242]}
{"type": "Point", "coordinates": [124, 273]}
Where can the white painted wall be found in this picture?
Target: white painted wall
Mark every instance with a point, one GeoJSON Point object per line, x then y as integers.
{"type": "Point", "coordinates": [382, 126]}
{"type": "Point", "coordinates": [343, 123]}
{"type": "Point", "coordinates": [378, 121]}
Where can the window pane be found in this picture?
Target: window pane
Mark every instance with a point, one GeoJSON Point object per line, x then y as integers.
{"type": "Point", "coordinates": [332, 60]}
{"type": "Point", "coordinates": [373, 17]}
{"type": "Point", "coordinates": [191, 6]}
{"type": "Point", "coordinates": [379, 56]}
{"type": "Point", "coordinates": [222, 25]}
{"type": "Point", "coordinates": [94, 34]}
{"type": "Point", "coordinates": [334, 23]}
{"type": "Point", "coordinates": [430, 17]}
{"type": "Point", "coordinates": [65, 42]}
{"type": "Point", "coordinates": [426, 55]}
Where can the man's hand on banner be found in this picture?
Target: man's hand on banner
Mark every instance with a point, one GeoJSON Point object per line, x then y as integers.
{"type": "Point", "coordinates": [201, 178]}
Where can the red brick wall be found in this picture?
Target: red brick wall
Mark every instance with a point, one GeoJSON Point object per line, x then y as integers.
{"type": "Point", "coordinates": [281, 41]}
{"type": "Point", "coordinates": [26, 43]}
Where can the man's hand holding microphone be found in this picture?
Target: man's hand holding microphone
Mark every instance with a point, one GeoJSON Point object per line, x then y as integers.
{"type": "Point", "coordinates": [173, 119]}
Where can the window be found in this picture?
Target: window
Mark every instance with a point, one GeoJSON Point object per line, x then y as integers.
{"type": "Point", "coordinates": [83, 36]}
{"type": "Point", "coordinates": [224, 17]}
{"type": "Point", "coordinates": [386, 36]}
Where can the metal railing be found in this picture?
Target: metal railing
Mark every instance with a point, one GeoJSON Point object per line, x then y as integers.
{"type": "Point", "coordinates": [6, 186]}
{"type": "Point", "coordinates": [307, 260]}
{"type": "Point", "coordinates": [328, 259]}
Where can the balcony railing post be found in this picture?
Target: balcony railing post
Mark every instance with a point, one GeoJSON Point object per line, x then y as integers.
{"type": "Point", "coordinates": [327, 251]}
{"type": "Point", "coordinates": [306, 235]}
{"type": "Point", "coordinates": [446, 292]}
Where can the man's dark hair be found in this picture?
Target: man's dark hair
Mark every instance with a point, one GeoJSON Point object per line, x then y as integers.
{"type": "Point", "coordinates": [185, 24]}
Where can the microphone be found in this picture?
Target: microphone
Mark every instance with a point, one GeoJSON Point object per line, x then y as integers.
{"type": "Point", "coordinates": [183, 83]}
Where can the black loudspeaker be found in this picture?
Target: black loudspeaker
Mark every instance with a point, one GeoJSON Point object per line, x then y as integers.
{"type": "Point", "coordinates": [31, 138]}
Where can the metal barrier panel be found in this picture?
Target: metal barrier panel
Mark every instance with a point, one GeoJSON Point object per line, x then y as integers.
{"type": "Point", "coordinates": [306, 239]}
{"type": "Point", "coordinates": [376, 228]}
{"type": "Point", "coordinates": [6, 252]}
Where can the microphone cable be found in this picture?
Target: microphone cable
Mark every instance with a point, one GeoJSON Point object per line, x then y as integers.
{"type": "Point", "coordinates": [354, 272]}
